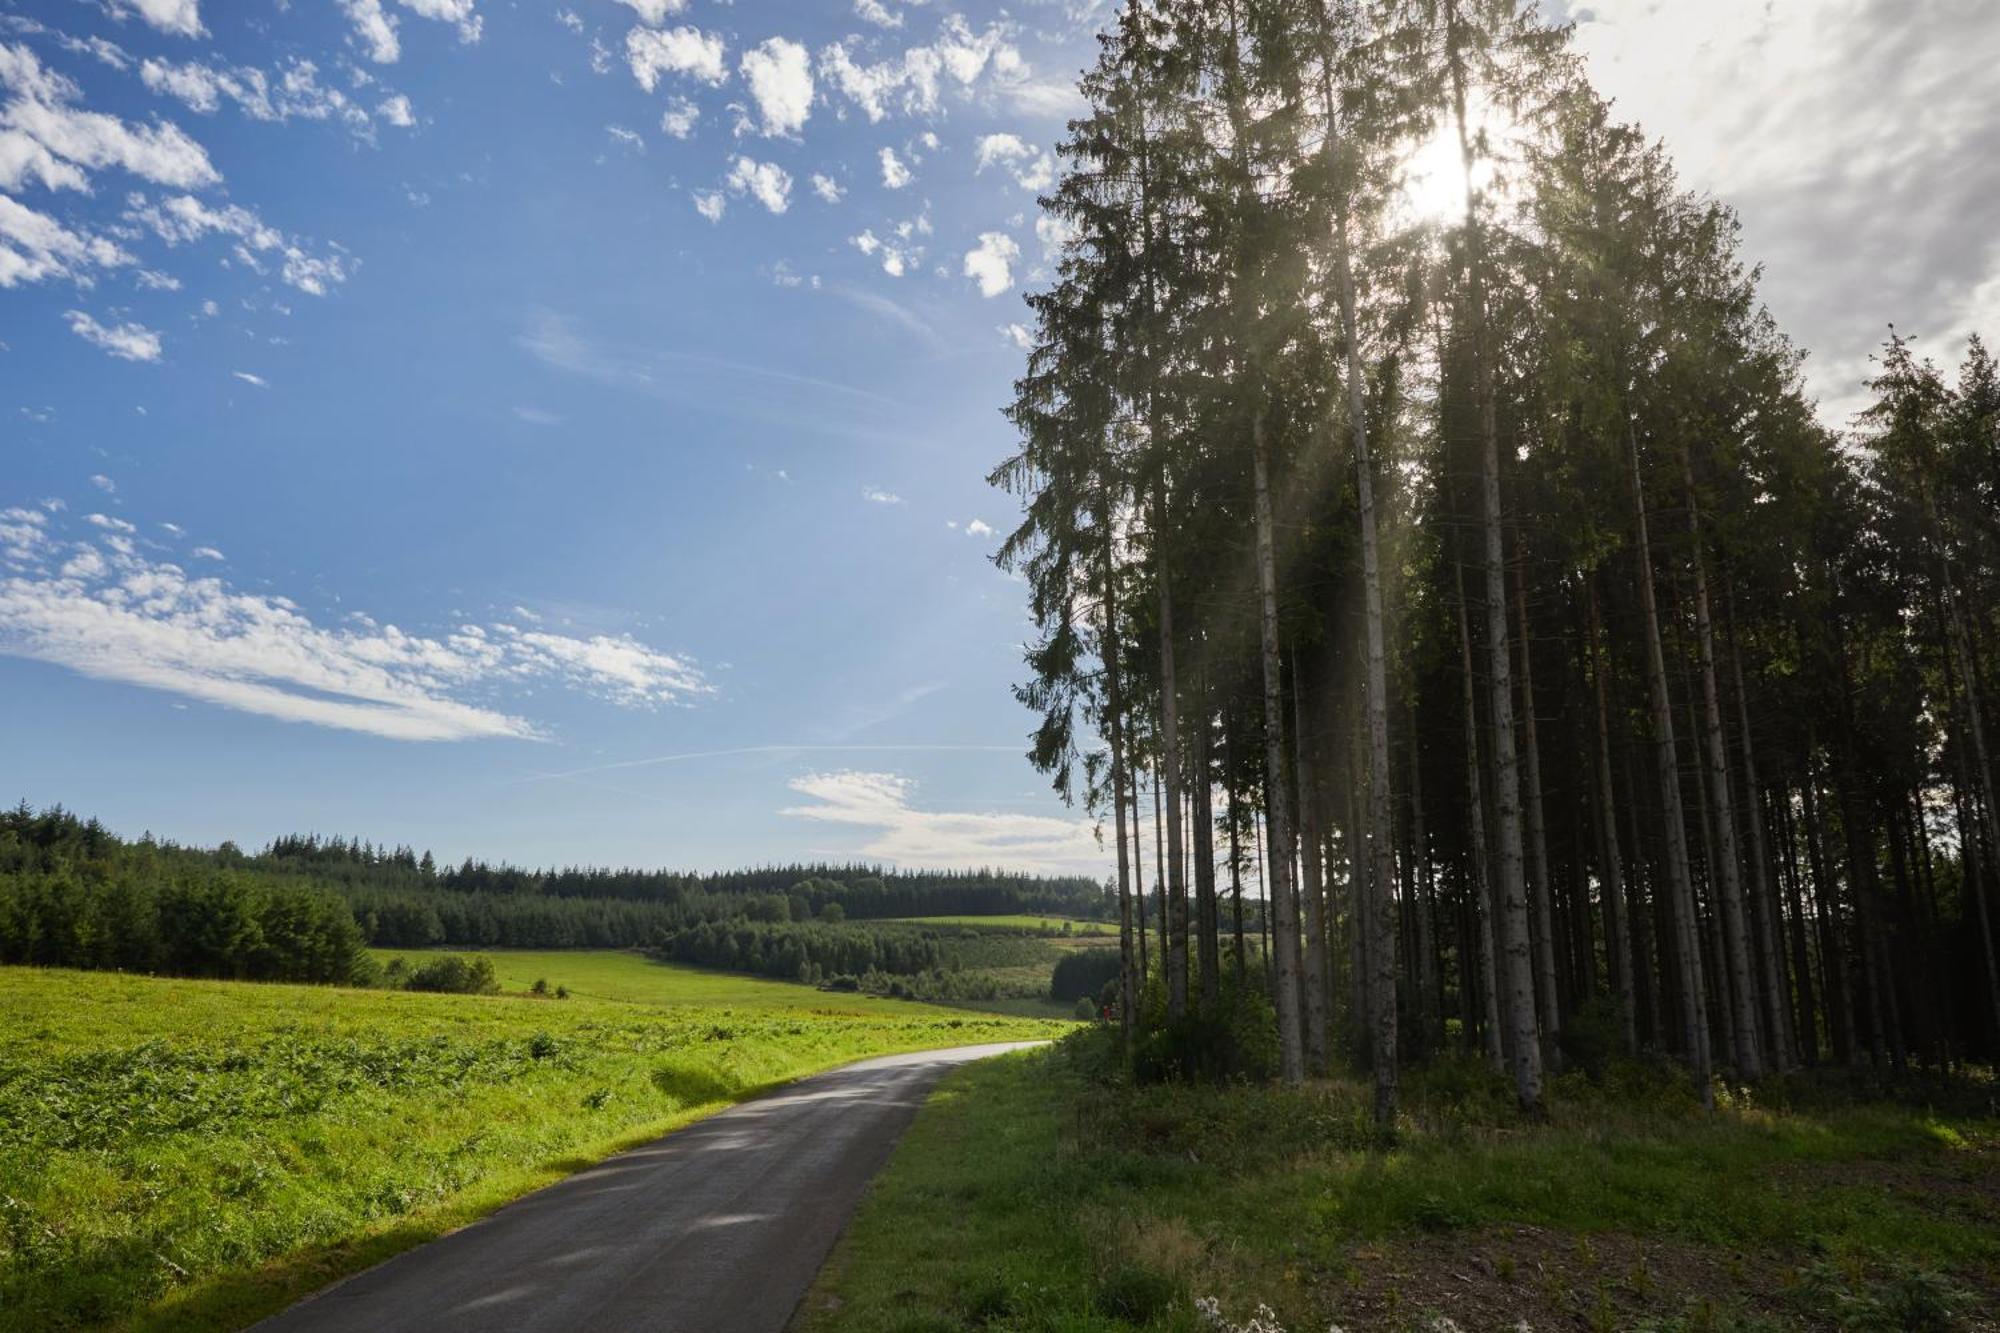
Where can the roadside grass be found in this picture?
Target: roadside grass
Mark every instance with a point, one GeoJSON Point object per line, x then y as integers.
{"type": "Point", "coordinates": [1032, 1195]}
{"type": "Point", "coordinates": [196, 1154]}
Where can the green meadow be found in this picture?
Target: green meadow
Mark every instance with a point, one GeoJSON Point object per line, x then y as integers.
{"type": "Point", "coordinates": [194, 1154]}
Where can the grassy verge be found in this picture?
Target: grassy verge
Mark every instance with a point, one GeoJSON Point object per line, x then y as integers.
{"type": "Point", "coordinates": [184, 1154]}
{"type": "Point", "coordinates": [1030, 1195]}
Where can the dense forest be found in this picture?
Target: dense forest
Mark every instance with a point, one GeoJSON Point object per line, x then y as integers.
{"type": "Point", "coordinates": [1487, 584]}
{"type": "Point", "coordinates": [73, 894]}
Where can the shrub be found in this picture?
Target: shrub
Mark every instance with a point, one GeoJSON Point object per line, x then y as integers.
{"type": "Point", "coordinates": [455, 974]}
{"type": "Point", "coordinates": [1082, 973]}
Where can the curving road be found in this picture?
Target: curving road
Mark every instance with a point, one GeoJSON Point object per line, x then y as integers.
{"type": "Point", "coordinates": [716, 1228]}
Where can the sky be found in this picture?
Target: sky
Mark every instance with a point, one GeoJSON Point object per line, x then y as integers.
{"type": "Point", "coordinates": [557, 431]}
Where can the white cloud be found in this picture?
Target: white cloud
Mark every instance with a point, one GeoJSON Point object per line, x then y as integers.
{"type": "Point", "coordinates": [710, 204]}
{"type": "Point", "coordinates": [101, 482]}
{"type": "Point", "coordinates": [914, 838]}
{"type": "Point", "coordinates": [378, 32]}
{"type": "Point", "coordinates": [256, 381]}
{"type": "Point", "coordinates": [654, 12]}
{"type": "Point", "coordinates": [1030, 168]}
{"type": "Point", "coordinates": [915, 81]}
{"type": "Point", "coordinates": [978, 527]}
{"type": "Point", "coordinates": [1018, 335]}
{"type": "Point", "coordinates": [206, 553]}
{"type": "Point", "coordinates": [375, 29]}
{"type": "Point", "coordinates": [1763, 106]}
{"type": "Point", "coordinates": [34, 247]}
{"type": "Point", "coordinates": [876, 495]}
{"type": "Point", "coordinates": [396, 110]}
{"type": "Point", "coordinates": [44, 134]}
{"type": "Point", "coordinates": [990, 264]}
{"type": "Point", "coordinates": [127, 341]}
{"type": "Point", "coordinates": [779, 73]}
{"type": "Point", "coordinates": [680, 117]}
{"type": "Point", "coordinates": [294, 90]}
{"type": "Point", "coordinates": [766, 182]}
{"type": "Point", "coordinates": [110, 524]}
{"type": "Point", "coordinates": [895, 175]}
{"type": "Point", "coordinates": [879, 13]}
{"type": "Point", "coordinates": [179, 219]}
{"type": "Point", "coordinates": [181, 18]}
{"type": "Point", "coordinates": [827, 188]}
{"type": "Point", "coordinates": [896, 259]}
{"type": "Point", "coordinates": [651, 52]}
{"type": "Point", "coordinates": [115, 615]}
{"type": "Point", "coordinates": [627, 138]}
{"type": "Point", "coordinates": [1054, 233]}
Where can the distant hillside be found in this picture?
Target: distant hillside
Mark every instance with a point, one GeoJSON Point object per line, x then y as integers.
{"type": "Point", "coordinates": [72, 893]}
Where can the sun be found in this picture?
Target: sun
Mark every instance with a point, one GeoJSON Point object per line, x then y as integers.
{"type": "Point", "coordinates": [1432, 188]}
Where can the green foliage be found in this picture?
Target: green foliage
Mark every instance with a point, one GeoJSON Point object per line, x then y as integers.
{"type": "Point", "coordinates": [1083, 973]}
{"type": "Point", "coordinates": [455, 974]}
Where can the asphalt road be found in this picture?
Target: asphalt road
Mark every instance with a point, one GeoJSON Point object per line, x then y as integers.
{"type": "Point", "coordinates": [716, 1228]}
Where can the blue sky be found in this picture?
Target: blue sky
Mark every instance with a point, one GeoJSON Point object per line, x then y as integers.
{"type": "Point", "coordinates": [558, 431]}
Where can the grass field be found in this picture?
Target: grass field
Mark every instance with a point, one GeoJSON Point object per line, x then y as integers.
{"type": "Point", "coordinates": [1048, 925]}
{"type": "Point", "coordinates": [186, 1154]}
{"type": "Point", "coordinates": [1031, 1196]}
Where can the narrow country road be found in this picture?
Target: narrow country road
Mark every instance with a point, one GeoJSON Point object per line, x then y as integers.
{"type": "Point", "coordinates": [716, 1228]}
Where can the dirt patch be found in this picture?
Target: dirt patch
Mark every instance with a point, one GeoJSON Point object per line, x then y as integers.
{"type": "Point", "coordinates": [1499, 1278]}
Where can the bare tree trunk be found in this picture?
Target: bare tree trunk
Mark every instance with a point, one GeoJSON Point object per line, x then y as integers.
{"type": "Point", "coordinates": [1316, 984]}
{"type": "Point", "coordinates": [1694, 1026]}
{"type": "Point", "coordinates": [1725, 871]}
{"type": "Point", "coordinates": [1620, 944]}
{"type": "Point", "coordinates": [1175, 907]}
{"type": "Point", "coordinates": [1475, 799]}
{"type": "Point", "coordinates": [1538, 848]}
{"type": "Point", "coordinates": [1140, 928]}
{"type": "Point", "coordinates": [1284, 925]}
{"type": "Point", "coordinates": [1128, 991]}
{"type": "Point", "coordinates": [1805, 1025]}
{"type": "Point", "coordinates": [1235, 845]}
{"type": "Point", "coordinates": [1207, 925]}
{"type": "Point", "coordinates": [1372, 895]}
{"type": "Point", "coordinates": [1764, 902]}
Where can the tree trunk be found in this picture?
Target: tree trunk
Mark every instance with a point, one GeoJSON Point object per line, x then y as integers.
{"type": "Point", "coordinates": [1538, 847]}
{"type": "Point", "coordinates": [1284, 923]}
{"type": "Point", "coordinates": [1725, 870]}
{"type": "Point", "coordinates": [1680, 887]}
{"type": "Point", "coordinates": [1763, 901]}
{"type": "Point", "coordinates": [1616, 920]}
{"type": "Point", "coordinates": [1176, 905]}
{"type": "Point", "coordinates": [1207, 925]}
{"type": "Point", "coordinates": [1316, 984]}
{"type": "Point", "coordinates": [1128, 993]}
{"type": "Point", "coordinates": [1475, 800]}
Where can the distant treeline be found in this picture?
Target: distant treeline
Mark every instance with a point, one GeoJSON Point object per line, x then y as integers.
{"type": "Point", "coordinates": [863, 891]}
{"type": "Point", "coordinates": [73, 894]}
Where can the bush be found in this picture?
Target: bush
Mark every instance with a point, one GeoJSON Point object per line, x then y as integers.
{"type": "Point", "coordinates": [455, 974]}
{"type": "Point", "coordinates": [1082, 973]}
{"type": "Point", "coordinates": [1086, 1010]}
{"type": "Point", "coordinates": [1236, 1043]}
{"type": "Point", "coordinates": [1593, 1035]}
